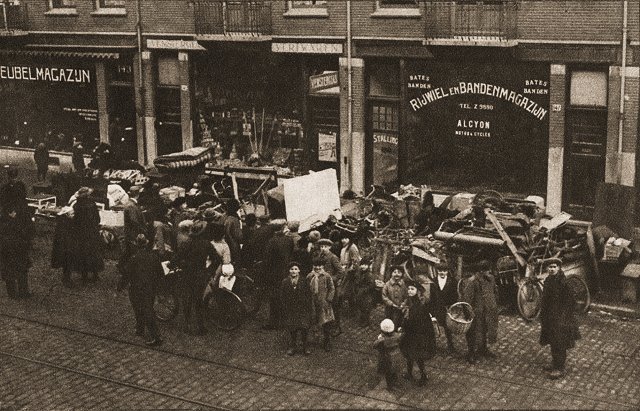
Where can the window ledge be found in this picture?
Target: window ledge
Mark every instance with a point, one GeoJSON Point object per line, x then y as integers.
{"type": "Point", "coordinates": [396, 12]}
{"type": "Point", "coordinates": [110, 12]}
{"type": "Point", "coordinates": [307, 12]}
{"type": "Point", "coordinates": [62, 12]}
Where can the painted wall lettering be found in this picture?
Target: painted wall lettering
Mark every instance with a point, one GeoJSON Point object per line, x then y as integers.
{"type": "Point", "coordinates": [52, 74]}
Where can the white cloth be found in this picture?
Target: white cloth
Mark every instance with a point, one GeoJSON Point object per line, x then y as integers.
{"type": "Point", "coordinates": [441, 282]}
{"type": "Point", "coordinates": [227, 282]}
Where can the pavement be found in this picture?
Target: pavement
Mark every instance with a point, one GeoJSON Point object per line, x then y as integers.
{"type": "Point", "coordinates": [76, 349]}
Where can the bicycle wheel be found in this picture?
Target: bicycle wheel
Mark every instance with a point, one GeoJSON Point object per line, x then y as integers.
{"type": "Point", "coordinates": [529, 299]}
{"type": "Point", "coordinates": [225, 309]}
{"type": "Point", "coordinates": [580, 292]}
{"type": "Point", "coordinates": [165, 305]}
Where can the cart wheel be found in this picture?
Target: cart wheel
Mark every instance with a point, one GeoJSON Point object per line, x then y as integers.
{"type": "Point", "coordinates": [529, 299]}
{"type": "Point", "coordinates": [165, 306]}
{"type": "Point", "coordinates": [580, 292]}
{"type": "Point", "coordinates": [225, 310]}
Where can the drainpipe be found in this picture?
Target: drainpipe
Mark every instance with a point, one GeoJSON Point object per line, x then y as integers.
{"type": "Point", "coordinates": [4, 15]}
{"type": "Point", "coordinates": [623, 70]}
{"type": "Point", "coordinates": [141, 87]}
{"type": "Point", "coordinates": [350, 96]}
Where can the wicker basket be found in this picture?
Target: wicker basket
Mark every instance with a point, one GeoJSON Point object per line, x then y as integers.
{"type": "Point", "coordinates": [459, 317]}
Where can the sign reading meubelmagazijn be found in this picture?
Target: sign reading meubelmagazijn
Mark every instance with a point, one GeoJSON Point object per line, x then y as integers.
{"type": "Point", "coordinates": [487, 120]}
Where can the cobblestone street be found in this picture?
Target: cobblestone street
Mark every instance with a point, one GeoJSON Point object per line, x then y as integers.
{"type": "Point", "coordinates": [77, 349]}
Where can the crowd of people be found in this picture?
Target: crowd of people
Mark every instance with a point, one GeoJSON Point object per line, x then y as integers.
{"type": "Point", "coordinates": [308, 279]}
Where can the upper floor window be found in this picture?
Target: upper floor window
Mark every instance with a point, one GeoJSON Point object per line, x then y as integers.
{"type": "Point", "coordinates": [397, 3]}
{"type": "Point", "coordinates": [62, 4]}
{"type": "Point", "coordinates": [107, 4]}
{"type": "Point", "coordinates": [308, 3]}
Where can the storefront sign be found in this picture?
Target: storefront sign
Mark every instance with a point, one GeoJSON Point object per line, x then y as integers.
{"type": "Point", "coordinates": [326, 80]}
{"type": "Point", "coordinates": [307, 48]}
{"type": "Point", "coordinates": [385, 158]}
{"type": "Point", "coordinates": [174, 44]}
{"type": "Point", "coordinates": [327, 146]}
{"type": "Point", "coordinates": [53, 74]}
{"type": "Point", "coordinates": [477, 124]}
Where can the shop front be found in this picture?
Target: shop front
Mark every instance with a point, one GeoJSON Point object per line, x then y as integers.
{"type": "Point", "coordinates": [121, 108]}
{"type": "Point", "coordinates": [263, 109]}
{"type": "Point", "coordinates": [48, 100]}
{"type": "Point", "coordinates": [460, 125]}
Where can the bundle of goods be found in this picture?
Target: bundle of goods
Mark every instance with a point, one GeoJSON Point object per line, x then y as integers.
{"type": "Point", "coordinates": [187, 158]}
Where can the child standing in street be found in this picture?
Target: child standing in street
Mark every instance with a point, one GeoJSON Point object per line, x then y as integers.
{"type": "Point", "coordinates": [394, 295]}
{"type": "Point", "coordinates": [386, 343]}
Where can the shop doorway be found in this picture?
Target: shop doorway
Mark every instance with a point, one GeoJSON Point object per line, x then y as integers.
{"type": "Point", "coordinates": [585, 141]}
{"type": "Point", "coordinates": [168, 125]}
{"type": "Point", "coordinates": [325, 131]}
{"type": "Point", "coordinates": [122, 122]}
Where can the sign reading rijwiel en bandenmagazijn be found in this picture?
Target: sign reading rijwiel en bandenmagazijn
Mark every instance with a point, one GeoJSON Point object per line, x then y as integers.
{"type": "Point", "coordinates": [39, 73]}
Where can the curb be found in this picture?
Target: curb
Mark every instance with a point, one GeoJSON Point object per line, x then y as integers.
{"type": "Point", "coordinates": [616, 310]}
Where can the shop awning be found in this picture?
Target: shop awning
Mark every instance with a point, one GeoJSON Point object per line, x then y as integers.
{"type": "Point", "coordinates": [61, 53]}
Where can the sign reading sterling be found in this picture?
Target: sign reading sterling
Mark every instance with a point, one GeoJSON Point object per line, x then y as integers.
{"type": "Point", "coordinates": [174, 44]}
{"type": "Point", "coordinates": [53, 74]}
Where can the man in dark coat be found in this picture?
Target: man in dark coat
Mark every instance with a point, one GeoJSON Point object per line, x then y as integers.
{"type": "Point", "coordinates": [41, 157]}
{"type": "Point", "coordinates": [142, 273]}
{"type": "Point", "coordinates": [295, 298]}
{"type": "Point", "coordinates": [16, 231]}
{"type": "Point", "coordinates": [87, 255]}
{"type": "Point", "coordinates": [558, 326]}
{"type": "Point", "coordinates": [252, 249]}
{"type": "Point", "coordinates": [481, 293]}
{"type": "Point", "coordinates": [446, 294]}
{"type": "Point", "coordinates": [77, 157]}
{"type": "Point", "coordinates": [134, 224]}
{"type": "Point", "coordinates": [191, 257]}
{"type": "Point", "coordinates": [336, 271]}
{"type": "Point", "coordinates": [277, 256]}
{"type": "Point", "coordinates": [13, 194]}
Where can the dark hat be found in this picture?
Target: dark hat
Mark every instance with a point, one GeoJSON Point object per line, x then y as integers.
{"type": "Point", "coordinates": [293, 264]}
{"type": "Point", "coordinates": [416, 284]}
{"type": "Point", "coordinates": [396, 267]}
{"type": "Point", "coordinates": [198, 228]}
{"type": "Point", "coordinates": [554, 260]}
{"type": "Point", "coordinates": [318, 261]}
{"type": "Point", "coordinates": [325, 241]}
{"type": "Point", "coordinates": [442, 264]}
{"type": "Point", "coordinates": [141, 240]}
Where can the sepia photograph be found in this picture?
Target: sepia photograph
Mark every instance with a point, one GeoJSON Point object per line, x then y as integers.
{"type": "Point", "coordinates": [319, 204]}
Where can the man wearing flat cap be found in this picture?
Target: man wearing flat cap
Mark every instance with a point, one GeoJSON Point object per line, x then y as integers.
{"type": "Point", "coordinates": [558, 326]}
{"type": "Point", "coordinates": [333, 266]}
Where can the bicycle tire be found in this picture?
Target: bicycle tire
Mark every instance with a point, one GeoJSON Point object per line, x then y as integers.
{"type": "Point", "coordinates": [580, 292]}
{"type": "Point", "coordinates": [225, 309]}
{"type": "Point", "coordinates": [165, 306]}
{"type": "Point", "coordinates": [529, 299]}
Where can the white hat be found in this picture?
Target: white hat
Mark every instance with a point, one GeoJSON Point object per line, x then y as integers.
{"type": "Point", "coordinates": [387, 326]}
{"type": "Point", "coordinates": [227, 270]}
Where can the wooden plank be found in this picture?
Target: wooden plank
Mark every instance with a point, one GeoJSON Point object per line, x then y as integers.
{"type": "Point", "coordinates": [505, 237]}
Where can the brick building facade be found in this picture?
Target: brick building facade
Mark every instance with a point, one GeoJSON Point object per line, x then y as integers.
{"type": "Point", "coordinates": [523, 96]}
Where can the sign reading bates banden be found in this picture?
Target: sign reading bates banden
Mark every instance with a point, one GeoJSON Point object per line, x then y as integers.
{"type": "Point", "coordinates": [51, 74]}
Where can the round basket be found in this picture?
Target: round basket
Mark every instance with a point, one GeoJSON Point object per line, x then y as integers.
{"type": "Point", "coordinates": [459, 317]}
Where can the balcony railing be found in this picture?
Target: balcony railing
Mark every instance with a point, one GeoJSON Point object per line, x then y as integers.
{"type": "Point", "coordinates": [14, 19]}
{"type": "Point", "coordinates": [471, 20]}
{"type": "Point", "coordinates": [233, 18]}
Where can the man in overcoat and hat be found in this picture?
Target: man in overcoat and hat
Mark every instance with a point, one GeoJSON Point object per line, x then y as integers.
{"type": "Point", "coordinates": [333, 266]}
{"type": "Point", "coordinates": [277, 256]}
{"type": "Point", "coordinates": [481, 293]}
{"type": "Point", "coordinates": [558, 326]}
{"type": "Point", "coordinates": [191, 257]}
{"type": "Point", "coordinates": [142, 273]}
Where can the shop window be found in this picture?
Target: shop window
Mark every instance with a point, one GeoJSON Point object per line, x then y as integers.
{"type": "Point", "coordinates": [397, 3]}
{"type": "Point", "coordinates": [109, 8]}
{"type": "Point", "coordinates": [384, 80]}
{"type": "Point", "coordinates": [588, 89]}
{"type": "Point", "coordinates": [385, 118]}
{"type": "Point", "coordinates": [396, 8]}
{"type": "Point", "coordinates": [307, 3]}
{"type": "Point", "coordinates": [384, 125]}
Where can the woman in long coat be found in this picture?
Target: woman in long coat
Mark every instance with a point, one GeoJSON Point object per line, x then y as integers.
{"type": "Point", "coordinates": [87, 256]}
{"type": "Point", "coordinates": [559, 327]}
{"type": "Point", "coordinates": [322, 294]}
{"type": "Point", "coordinates": [295, 299]}
{"type": "Point", "coordinates": [418, 342]}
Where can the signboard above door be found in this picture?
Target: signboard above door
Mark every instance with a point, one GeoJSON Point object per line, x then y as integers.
{"type": "Point", "coordinates": [324, 81]}
{"type": "Point", "coordinates": [174, 44]}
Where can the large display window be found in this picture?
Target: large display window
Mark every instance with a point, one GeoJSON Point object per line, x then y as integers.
{"type": "Point", "coordinates": [477, 125]}
{"type": "Point", "coordinates": [48, 101]}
